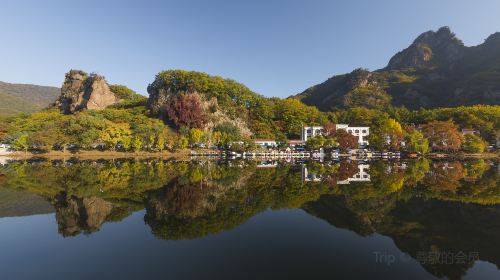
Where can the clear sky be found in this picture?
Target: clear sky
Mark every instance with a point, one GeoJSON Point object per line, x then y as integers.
{"type": "Point", "coordinates": [276, 48]}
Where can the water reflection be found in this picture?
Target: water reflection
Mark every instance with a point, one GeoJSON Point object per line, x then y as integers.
{"type": "Point", "coordinates": [424, 206]}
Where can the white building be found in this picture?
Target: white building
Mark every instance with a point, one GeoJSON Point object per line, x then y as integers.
{"type": "Point", "coordinates": [361, 132]}
{"type": "Point", "coordinates": [266, 143]}
{"type": "Point", "coordinates": [311, 131]}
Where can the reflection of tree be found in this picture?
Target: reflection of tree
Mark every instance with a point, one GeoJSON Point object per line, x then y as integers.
{"type": "Point", "coordinates": [192, 199]}
{"type": "Point", "coordinates": [444, 176]}
{"type": "Point", "coordinates": [340, 172]}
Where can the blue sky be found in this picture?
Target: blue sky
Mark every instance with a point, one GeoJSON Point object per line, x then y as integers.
{"type": "Point", "coordinates": [276, 48]}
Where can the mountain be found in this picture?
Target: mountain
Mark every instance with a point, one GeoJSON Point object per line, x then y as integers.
{"type": "Point", "coordinates": [25, 98]}
{"type": "Point", "coordinates": [436, 70]}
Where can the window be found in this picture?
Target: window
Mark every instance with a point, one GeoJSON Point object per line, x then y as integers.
{"type": "Point", "coordinates": [309, 131]}
{"type": "Point", "coordinates": [357, 131]}
{"type": "Point", "coordinates": [364, 130]}
{"type": "Point", "coordinates": [365, 176]}
{"type": "Point", "coordinates": [350, 130]}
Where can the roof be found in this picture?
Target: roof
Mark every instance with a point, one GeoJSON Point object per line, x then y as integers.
{"type": "Point", "coordinates": [296, 141]}
{"type": "Point", "coordinates": [264, 140]}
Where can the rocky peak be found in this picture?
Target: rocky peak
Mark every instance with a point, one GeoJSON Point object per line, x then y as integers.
{"type": "Point", "coordinates": [82, 91]}
{"type": "Point", "coordinates": [429, 48]}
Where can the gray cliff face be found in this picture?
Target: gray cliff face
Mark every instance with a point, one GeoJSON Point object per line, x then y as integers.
{"type": "Point", "coordinates": [440, 46]}
{"type": "Point", "coordinates": [81, 91]}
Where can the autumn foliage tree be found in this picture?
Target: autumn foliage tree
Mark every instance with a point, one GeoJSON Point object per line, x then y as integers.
{"type": "Point", "coordinates": [345, 139]}
{"type": "Point", "coordinates": [443, 135]}
{"type": "Point", "coordinates": [185, 110]}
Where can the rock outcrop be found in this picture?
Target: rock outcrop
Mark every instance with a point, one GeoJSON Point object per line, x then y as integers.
{"type": "Point", "coordinates": [164, 89]}
{"type": "Point", "coordinates": [431, 47]}
{"type": "Point", "coordinates": [82, 91]}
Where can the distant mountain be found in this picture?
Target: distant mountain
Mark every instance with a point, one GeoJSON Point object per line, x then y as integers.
{"type": "Point", "coordinates": [24, 98]}
{"type": "Point", "coordinates": [18, 203]}
{"type": "Point", "coordinates": [436, 70]}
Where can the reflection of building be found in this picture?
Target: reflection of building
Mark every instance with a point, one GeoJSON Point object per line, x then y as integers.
{"type": "Point", "coordinates": [361, 132]}
{"type": "Point", "coordinates": [310, 177]}
{"type": "Point", "coordinates": [267, 164]}
{"type": "Point", "coordinates": [361, 176]}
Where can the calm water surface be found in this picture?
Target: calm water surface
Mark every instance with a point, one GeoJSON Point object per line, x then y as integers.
{"type": "Point", "coordinates": [128, 219]}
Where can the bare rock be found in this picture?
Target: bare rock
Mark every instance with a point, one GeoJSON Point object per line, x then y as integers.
{"type": "Point", "coordinates": [81, 91]}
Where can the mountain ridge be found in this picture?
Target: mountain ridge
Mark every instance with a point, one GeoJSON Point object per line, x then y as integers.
{"type": "Point", "coordinates": [436, 70]}
{"type": "Point", "coordinates": [25, 98]}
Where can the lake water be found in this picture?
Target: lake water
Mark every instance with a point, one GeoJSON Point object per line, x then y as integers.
{"type": "Point", "coordinates": [126, 219]}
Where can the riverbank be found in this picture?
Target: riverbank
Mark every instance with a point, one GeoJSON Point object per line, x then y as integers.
{"type": "Point", "coordinates": [184, 154]}
{"type": "Point", "coordinates": [94, 154]}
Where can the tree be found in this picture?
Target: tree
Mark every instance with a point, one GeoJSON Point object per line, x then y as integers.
{"type": "Point", "coordinates": [114, 133]}
{"type": "Point", "coordinates": [228, 133]}
{"type": "Point", "coordinates": [416, 142]}
{"type": "Point", "coordinates": [443, 135]}
{"type": "Point", "coordinates": [185, 110]}
{"type": "Point", "coordinates": [386, 133]}
{"type": "Point", "coordinates": [136, 143]}
{"type": "Point", "coordinates": [345, 140]}
{"type": "Point", "coordinates": [182, 142]}
{"type": "Point", "coordinates": [315, 142]}
{"type": "Point", "coordinates": [196, 136]}
{"type": "Point", "coordinates": [473, 144]}
{"type": "Point", "coordinates": [21, 143]}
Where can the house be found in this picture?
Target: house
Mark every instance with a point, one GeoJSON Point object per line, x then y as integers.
{"type": "Point", "coordinates": [266, 143]}
{"type": "Point", "coordinates": [296, 143]}
{"type": "Point", "coordinates": [361, 132]}
{"type": "Point", "coordinates": [467, 131]}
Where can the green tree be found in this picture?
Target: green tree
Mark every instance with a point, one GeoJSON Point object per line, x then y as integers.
{"type": "Point", "coordinates": [416, 142]}
{"type": "Point", "coordinates": [21, 143]}
{"type": "Point", "coordinates": [196, 137]}
{"type": "Point", "coordinates": [473, 144]}
{"type": "Point", "coordinates": [136, 143]}
{"type": "Point", "coordinates": [315, 142]}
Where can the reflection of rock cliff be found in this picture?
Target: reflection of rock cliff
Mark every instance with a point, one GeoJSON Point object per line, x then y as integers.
{"type": "Point", "coordinates": [81, 214]}
{"type": "Point", "coordinates": [82, 91]}
{"type": "Point", "coordinates": [421, 227]}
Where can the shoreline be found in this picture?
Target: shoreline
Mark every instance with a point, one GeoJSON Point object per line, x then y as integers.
{"type": "Point", "coordinates": [184, 154]}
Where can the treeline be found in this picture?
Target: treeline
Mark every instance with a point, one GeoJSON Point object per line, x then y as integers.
{"type": "Point", "coordinates": [205, 111]}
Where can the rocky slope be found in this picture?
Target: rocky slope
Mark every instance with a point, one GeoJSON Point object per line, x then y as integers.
{"type": "Point", "coordinates": [25, 98]}
{"type": "Point", "coordinates": [221, 100]}
{"type": "Point", "coordinates": [436, 70]}
{"type": "Point", "coordinates": [82, 91]}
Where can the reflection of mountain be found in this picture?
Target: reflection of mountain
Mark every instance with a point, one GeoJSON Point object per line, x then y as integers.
{"type": "Point", "coordinates": [19, 203]}
{"type": "Point", "coordinates": [419, 227]}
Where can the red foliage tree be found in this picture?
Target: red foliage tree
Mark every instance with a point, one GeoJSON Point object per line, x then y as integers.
{"type": "Point", "coordinates": [345, 139]}
{"type": "Point", "coordinates": [185, 110]}
{"type": "Point", "coordinates": [443, 135]}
